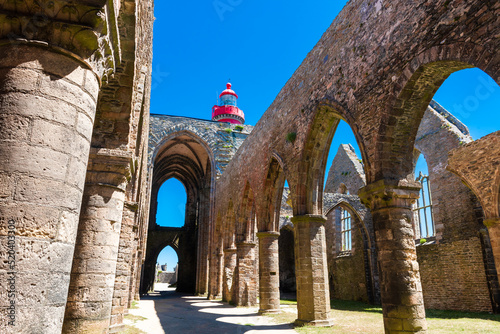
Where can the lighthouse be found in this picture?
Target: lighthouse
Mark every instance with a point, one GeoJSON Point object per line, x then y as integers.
{"type": "Point", "coordinates": [227, 110]}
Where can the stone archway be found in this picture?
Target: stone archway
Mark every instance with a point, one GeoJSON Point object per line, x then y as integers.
{"type": "Point", "coordinates": [186, 157]}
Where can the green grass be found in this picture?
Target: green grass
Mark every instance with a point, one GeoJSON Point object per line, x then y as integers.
{"type": "Point", "coordinates": [134, 318]}
{"type": "Point", "coordinates": [127, 329]}
{"type": "Point", "coordinates": [359, 317]}
{"type": "Point", "coordinates": [288, 302]}
{"type": "Point", "coordinates": [134, 305]}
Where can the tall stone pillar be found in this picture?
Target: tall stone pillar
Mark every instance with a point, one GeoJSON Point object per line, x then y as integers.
{"type": "Point", "coordinates": [269, 269]}
{"type": "Point", "coordinates": [228, 276]}
{"type": "Point", "coordinates": [313, 292]}
{"type": "Point", "coordinates": [203, 246]}
{"type": "Point", "coordinates": [124, 264]}
{"type": "Point", "coordinates": [246, 280]}
{"type": "Point", "coordinates": [88, 309]}
{"type": "Point", "coordinates": [47, 109]}
{"type": "Point", "coordinates": [400, 287]}
{"type": "Point", "coordinates": [493, 225]}
{"type": "Point", "coordinates": [216, 275]}
{"type": "Point", "coordinates": [220, 275]}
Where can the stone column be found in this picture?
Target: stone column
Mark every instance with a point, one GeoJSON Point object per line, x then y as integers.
{"type": "Point", "coordinates": [493, 225]}
{"type": "Point", "coordinates": [203, 246]}
{"type": "Point", "coordinates": [228, 276]}
{"type": "Point", "coordinates": [47, 109]}
{"type": "Point", "coordinates": [220, 275]}
{"type": "Point", "coordinates": [216, 275]}
{"type": "Point", "coordinates": [88, 309]}
{"type": "Point", "coordinates": [400, 287]}
{"type": "Point", "coordinates": [269, 269]}
{"type": "Point", "coordinates": [246, 280]}
{"type": "Point", "coordinates": [124, 264]}
{"type": "Point", "coordinates": [313, 292]}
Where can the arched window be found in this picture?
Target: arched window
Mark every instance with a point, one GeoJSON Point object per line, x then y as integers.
{"type": "Point", "coordinates": [171, 204]}
{"type": "Point", "coordinates": [166, 267]}
{"type": "Point", "coordinates": [343, 189]}
{"type": "Point", "coordinates": [424, 222]}
{"type": "Point", "coordinates": [424, 208]}
{"type": "Point", "coordinates": [346, 230]}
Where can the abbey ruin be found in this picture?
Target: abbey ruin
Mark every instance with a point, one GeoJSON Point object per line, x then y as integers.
{"type": "Point", "coordinates": [82, 160]}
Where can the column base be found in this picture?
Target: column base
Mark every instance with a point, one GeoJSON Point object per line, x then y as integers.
{"type": "Point", "coordinates": [315, 323]}
{"type": "Point", "coordinates": [115, 329]}
{"type": "Point", "coordinates": [214, 297]}
{"type": "Point", "coordinates": [270, 311]}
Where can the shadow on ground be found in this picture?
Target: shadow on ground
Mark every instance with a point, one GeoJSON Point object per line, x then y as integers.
{"type": "Point", "coordinates": [180, 313]}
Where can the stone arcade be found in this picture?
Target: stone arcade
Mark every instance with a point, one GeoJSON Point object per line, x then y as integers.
{"type": "Point", "coordinates": [80, 167]}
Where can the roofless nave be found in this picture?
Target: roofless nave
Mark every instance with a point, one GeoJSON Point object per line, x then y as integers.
{"type": "Point", "coordinates": [76, 183]}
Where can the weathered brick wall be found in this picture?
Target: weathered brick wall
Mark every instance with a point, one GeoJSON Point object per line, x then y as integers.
{"type": "Point", "coordinates": [346, 269]}
{"type": "Point", "coordinates": [481, 173]}
{"type": "Point", "coordinates": [453, 276]}
{"type": "Point", "coordinates": [453, 271]}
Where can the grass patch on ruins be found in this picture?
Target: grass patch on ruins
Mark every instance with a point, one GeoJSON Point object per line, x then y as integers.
{"type": "Point", "coordinates": [127, 329]}
{"type": "Point", "coordinates": [288, 302]}
{"type": "Point", "coordinates": [359, 317]}
{"type": "Point", "coordinates": [134, 305]}
{"type": "Point", "coordinates": [134, 318]}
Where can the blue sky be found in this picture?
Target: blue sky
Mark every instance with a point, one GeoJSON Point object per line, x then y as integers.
{"type": "Point", "coordinates": [199, 45]}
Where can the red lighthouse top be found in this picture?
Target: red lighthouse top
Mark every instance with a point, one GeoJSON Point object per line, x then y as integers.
{"type": "Point", "coordinates": [228, 90]}
{"type": "Point", "coordinates": [227, 111]}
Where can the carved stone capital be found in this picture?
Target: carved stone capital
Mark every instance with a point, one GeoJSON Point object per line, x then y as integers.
{"type": "Point", "coordinates": [109, 167]}
{"type": "Point", "coordinates": [85, 30]}
{"type": "Point", "coordinates": [230, 250]}
{"type": "Point", "coordinates": [268, 234]}
{"type": "Point", "coordinates": [389, 193]}
{"type": "Point", "coordinates": [131, 206]}
{"type": "Point", "coordinates": [245, 244]}
{"type": "Point", "coordinates": [308, 219]}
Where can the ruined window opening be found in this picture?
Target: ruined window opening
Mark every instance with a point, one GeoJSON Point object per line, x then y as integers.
{"type": "Point", "coordinates": [172, 201]}
{"type": "Point", "coordinates": [167, 262]}
{"type": "Point", "coordinates": [343, 189]}
{"type": "Point", "coordinates": [424, 209]}
{"type": "Point", "coordinates": [346, 230]}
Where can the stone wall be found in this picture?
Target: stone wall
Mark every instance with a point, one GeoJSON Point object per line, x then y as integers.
{"type": "Point", "coordinates": [222, 138]}
{"type": "Point", "coordinates": [347, 170]}
{"type": "Point", "coordinates": [452, 270]}
{"type": "Point", "coordinates": [346, 269]}
{"type": "Point", "coordinates": [482, 175]}
{"type": "Point", "coordinates": [453, 276]}
{"type": "Point", "coordinates": [167, 277]}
